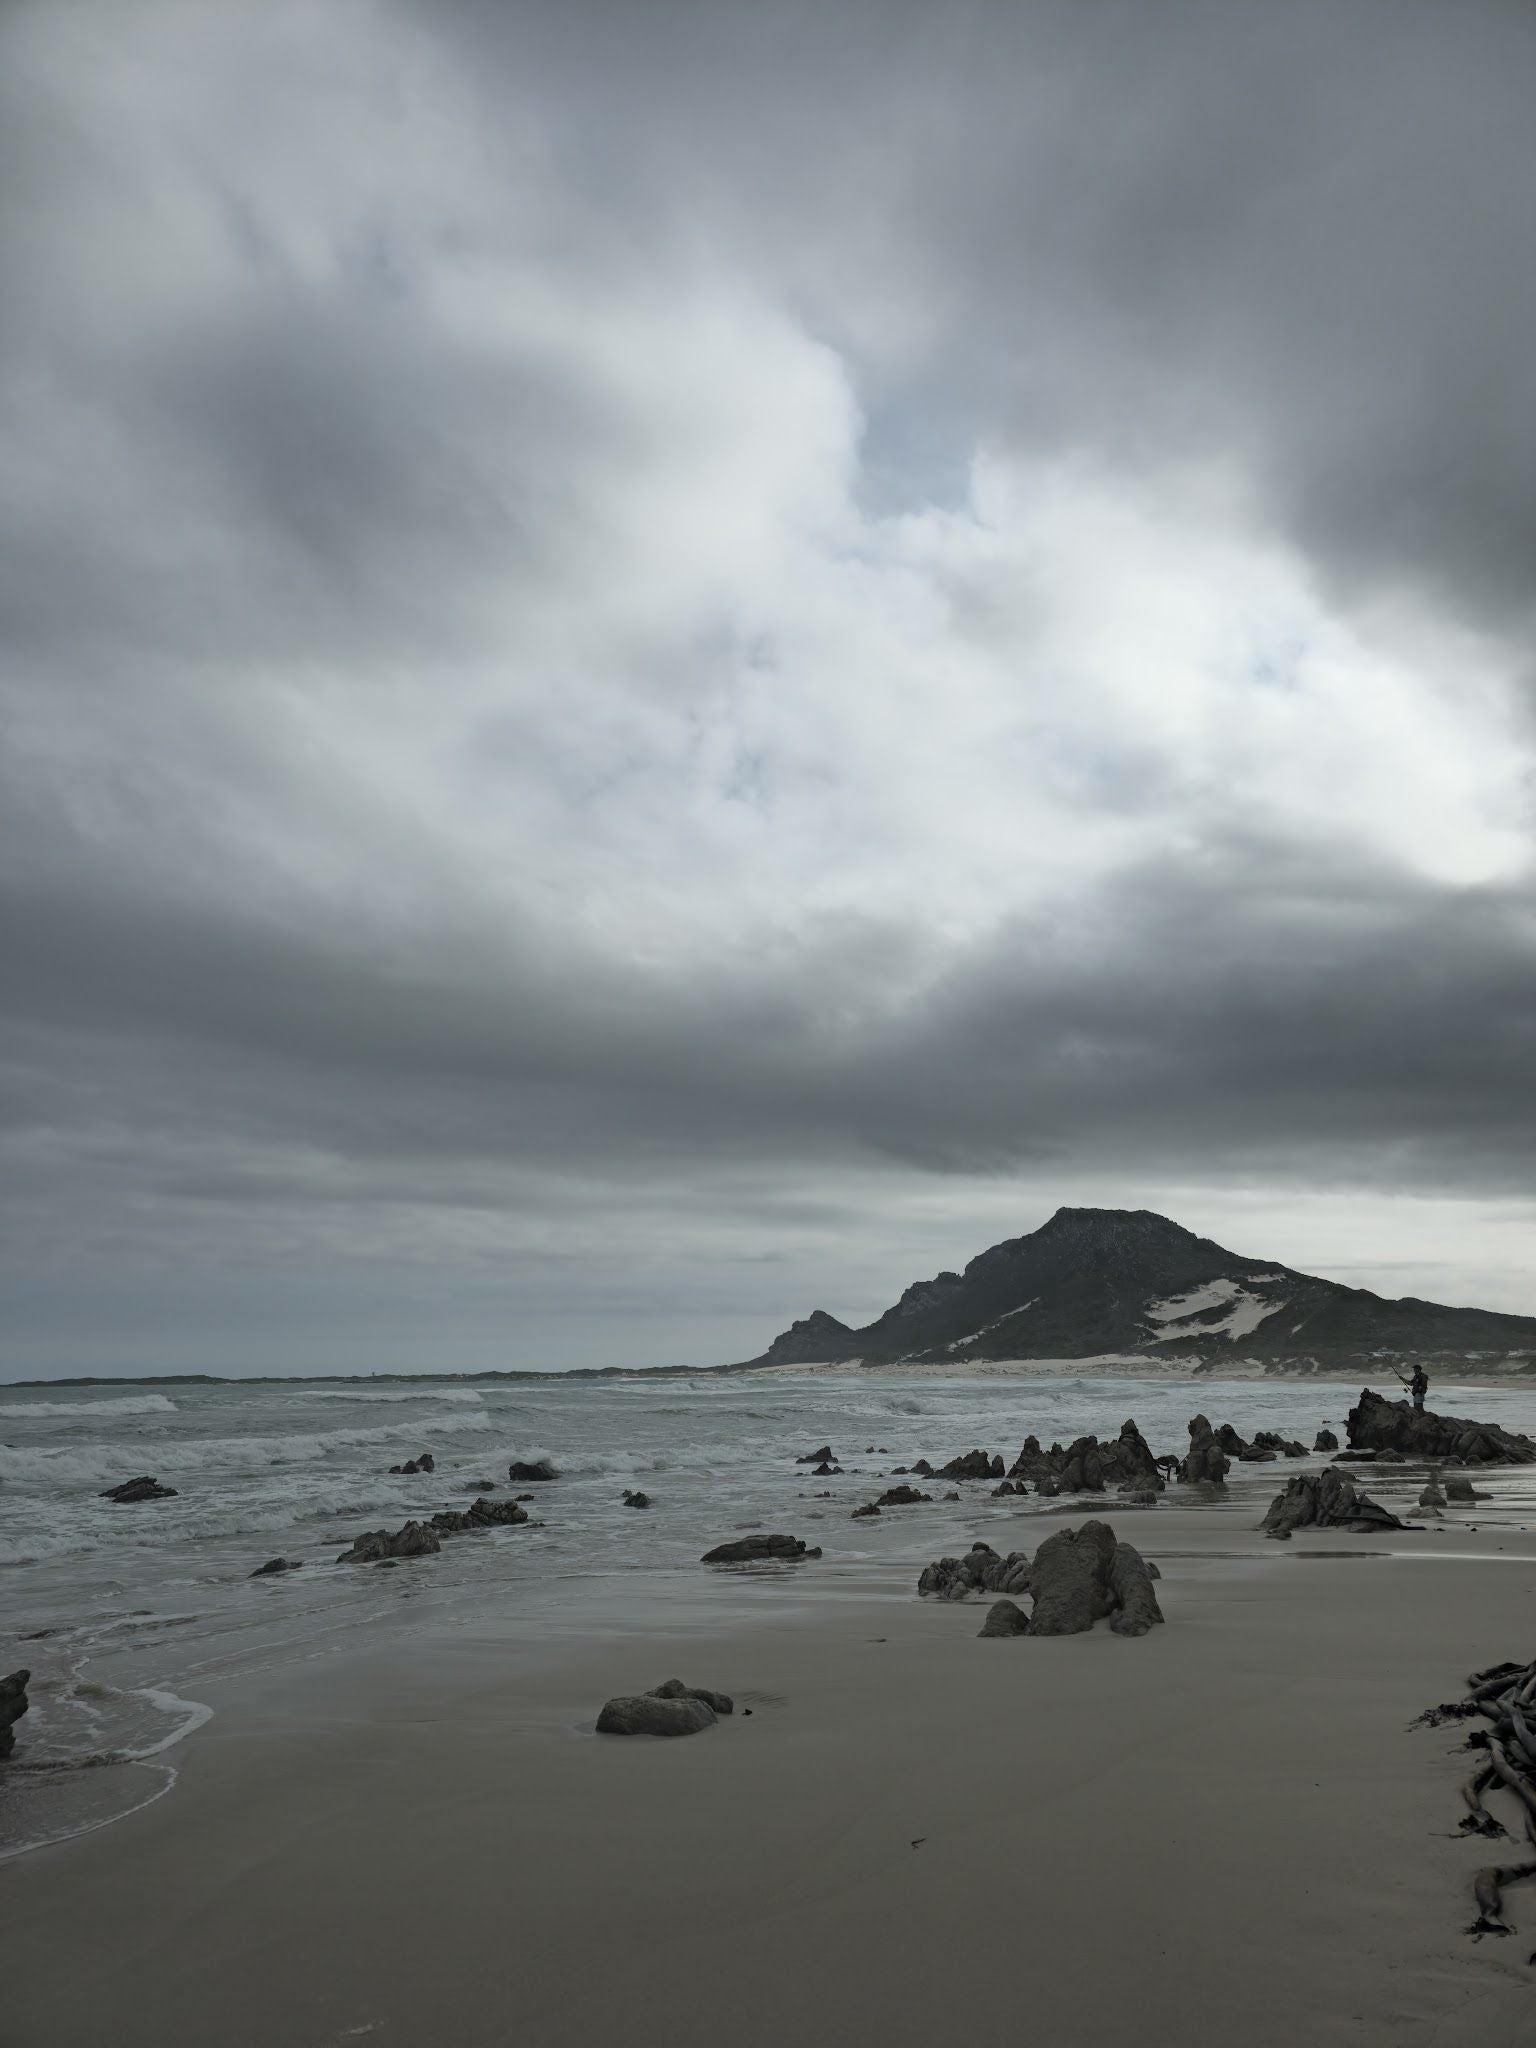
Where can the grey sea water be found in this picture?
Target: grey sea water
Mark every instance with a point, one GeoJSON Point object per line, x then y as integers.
{"type": "Point", "coordinates": [126, 1615]}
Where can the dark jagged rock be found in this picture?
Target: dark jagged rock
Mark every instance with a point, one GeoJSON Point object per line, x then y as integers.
{"type": "Point", "coordinates": [981, 1570]}
{"type": "Point", "coordinates": [13, 1704]}
{"type": "Point", "coordinates": [902, 1497]}
{"type": "Point", "coordinates": [825, 1456]}
{"type": "Point", "coordinates": [1325, 1440]}
{"type": "Point", "coordinates": [1377, 1424]}
{"type": "Point", "coordinates": [675, 1689]}
{"type": "Point", "coordinates": [1130, 1581]}
{"type": "Point", "coordinates": [425, 1463]}
{"type": "Point", "coordinates": [1088, 1466]}
{"type": "Point", "coordinates": [1205, 1463]}
{"type": "Point", "coordinates": [972, 1465]}
{"type": "Point", "coordinates": [1325, 1500]}
{"type": "Point", "coordinates": [134, 1490]}
{"type": "Point", "coordinates": [374, 1546]}
{"type": "Point", "coordinates": [1007, 1489]}
{"type": "Point", "coordinates": [274, 1565]}
{"type": "Point", "coordinates": [1005, 1618]}
{"type": "Point", "coordinates": [1239, 1448]}
{"type": "Point", "coordinates": [1282, 1446]}
{"type": "Point", "coordinates": [480, 1514]}
{"type": "Point", "coordinates": [825, 1471]}
{"type": "Point", "coordinates": [1459, 1489]}
{"type": "Point", "coordinates": [480, 1486]}
{"type": "Point", "coordinates": [777, 1549]}
{"type": "Point", "coordinates": [648, 1714]}
{"type": "Point", "coordinates": [1071, 1580]}
{"type": "Point", "coordinates": [521, 1473]}
{"type": "Point", "coordinates": [862, 1514]}
{"type": "Point", "coordinates": [636, 1500]}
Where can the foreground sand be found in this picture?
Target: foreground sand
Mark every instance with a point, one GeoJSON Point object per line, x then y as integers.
{"type": "Point", "coordinates": [1222, 1833]}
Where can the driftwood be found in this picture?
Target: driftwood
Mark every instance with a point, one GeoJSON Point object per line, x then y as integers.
{"type": "Point", "coordinates": [1505, 1696]}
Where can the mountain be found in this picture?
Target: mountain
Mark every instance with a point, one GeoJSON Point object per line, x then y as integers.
{"type": "Point", "coordinates": [1096, 1281]}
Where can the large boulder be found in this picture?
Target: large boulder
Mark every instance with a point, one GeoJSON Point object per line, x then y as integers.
{"type": "Point", "coordinates": [649, 1713]}
{"type": "Point", "coordinates": [374, 1546]}
{"type": "Point", "coordinates": [13, 1704]}
{"type": "Point", "coordinates": [134, 1490]}
{"type": "Point", "coordinates": [1325, 1440]}
{"type": "Point", "coordinates": [825, 1456]}
{"type": "Point", "coordinates": [1071, 1580]}
{"type": "Point", "coordinates": [1325, 1500]}
{"type": "Point", "coordinates": [778, 1549]}
{"type": "Point", "coordinates": [523, 1473]}
{"type": "Point", "coordinates": [1088, 1466]}
{"type": "Point", "coordinates": [1379, 1425]}
{"type": "Point", "coordinates": [902, 1497]}
{"type": "Point", "coordinates": [1205, 1463]}
{"type": "Point", "coordinates": [1462, 1490]}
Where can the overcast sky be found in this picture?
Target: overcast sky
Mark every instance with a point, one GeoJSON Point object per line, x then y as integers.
{"type": "Point", "coordinates": [667, 663]}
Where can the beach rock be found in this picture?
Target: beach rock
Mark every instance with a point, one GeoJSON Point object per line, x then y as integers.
{"type": "Point", "coordinates": [825, 1471]}
{"type": "Point", "coordinates": [1462, 1490]}
{"type": "Point", "coordinates": [1071, 1580]}
{"type": "Point", "coordinates": [1205, 1463]}
{"type": "Point", "coordinates": [1007, 1489]}
{"type": "Point", "coordinates": [825, 1456]}
{"type": "Point", "coordinates": [1282, 1446]}
{"type": "Point", "coordinates": [415, 1539]}
{"type": "Point", "coordinates": [1388, 1427]}
{"type": "Point", "coordinates": [902, 1497]}
{"type": "Point", "coordinates": [1324, 1500]}
{"type": "Point", "coordinates": [981, 1570]}
{"type": "Point", "coordinates": [274, 1565]}
{"type": "Point", "coordinates": [425, 1463]}
{"type": "Point", "coordinates": [480, 1486]}
{"type": "Point", "coordinates": [134, 1490]}
{"type": "Point", "coordinates": [1239, 1448]}
{"type": "Point", "coordinates": [13, 1704]}
{"type": "Point", "coordinates": [1432, 1497]}
{"type": "Point", "coordinates": [480, 1514]}
{"type": "Point", "coordinates": [860, 1514]}
{"type": "Point", "coordinates": [647, 1714]}
{"type": "Point", "coordinates": [675, 1689]}
{"type": "Point", "coordinates": [1005, 1618]}
{"type": "Point", "coordinates": [778, 1549]}
{"type": "Point", "coordinates": [972, 1465]}
{"type": "Point", "coordinates": [1325, 1440]}
{"type": "Point", "coordinates": [636, 1500]}
{"type": "Point", "coordinates": [951, 1496]}
{"type": "Point", "coordinates": [921, 1467]}
{"type": "Point", "coordinates": [1130, 1581]}
{"type": "Point", "coordinates": [523, 1474]}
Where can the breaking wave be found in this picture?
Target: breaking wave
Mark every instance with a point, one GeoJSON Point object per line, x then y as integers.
{"type": "Point", "coordinates": [130, 1404]}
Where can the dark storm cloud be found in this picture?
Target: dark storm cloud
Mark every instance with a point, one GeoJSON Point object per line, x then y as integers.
{"type": "Point", "coordinates": [597, 623]}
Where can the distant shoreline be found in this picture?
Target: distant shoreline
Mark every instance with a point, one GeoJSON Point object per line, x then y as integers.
{"type": "Point", "coordinates": [1112, 1365]}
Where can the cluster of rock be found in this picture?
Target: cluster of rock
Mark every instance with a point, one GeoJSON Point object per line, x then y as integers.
{"type": "Point", "coordinates": [824, 1460]}
{"type": "Point", "coordinates": [134, 1490]}
{"type": "Point", "coordinates": [1205, 1462]}
{"type": "Point", "coordinates": [1325, 1500]}
{"type": "Point", "coordinates": [1088, 1466]}
{"type": "Point", "coordinates": [425, 1463]}
{"type": "Point", "coordinates": [1379, 1426]}
{"type": "Point", "coordinates": [424, 1539]}
{"type": "Point", "coordinates": [776, 1549]}
{"type": "Point", "coordinates": [1076, 1577]}
{"type": "Point", "coordinates": [633, 1499]}
{"type": "Point", "coordinates": [669, 1709]}
{"type": "Point", "coordinates": [13, 1704]}
{"type": "Point", "coordinates": [893, 1497]}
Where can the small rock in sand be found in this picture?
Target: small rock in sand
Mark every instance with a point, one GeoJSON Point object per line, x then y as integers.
{"type": "Point", "coordinates": [1005, 1618]}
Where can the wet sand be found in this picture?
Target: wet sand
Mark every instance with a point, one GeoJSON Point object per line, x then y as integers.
{"type": "Point", "coordinates": [1221, 1833]}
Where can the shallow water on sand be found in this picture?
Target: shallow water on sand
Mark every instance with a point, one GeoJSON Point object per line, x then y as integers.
{"type": "Point", "coordinates": [123, 1612]}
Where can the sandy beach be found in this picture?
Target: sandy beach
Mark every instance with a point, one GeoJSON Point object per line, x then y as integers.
{"type": "Point", "coordinates": [1222, 1832]}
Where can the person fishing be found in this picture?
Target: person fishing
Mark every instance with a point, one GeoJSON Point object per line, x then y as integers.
{"type": "Point", "coordinates": [1418, 1385]}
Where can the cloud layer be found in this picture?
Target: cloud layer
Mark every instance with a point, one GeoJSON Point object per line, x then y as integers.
{"type": "Point", "coordinates": [659, 664]}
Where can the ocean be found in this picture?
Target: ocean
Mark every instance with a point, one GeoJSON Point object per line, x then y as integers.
{"type": "Point", "coordinates": [128, 1615]}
